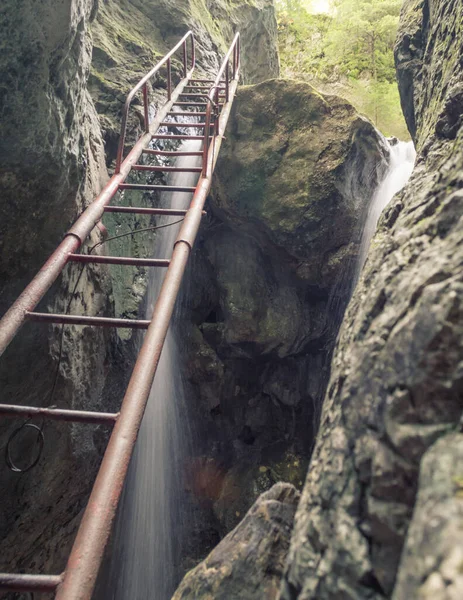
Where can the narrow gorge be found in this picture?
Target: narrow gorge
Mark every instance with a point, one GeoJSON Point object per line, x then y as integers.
{"type": "Point", "coordinates": [302, 438]}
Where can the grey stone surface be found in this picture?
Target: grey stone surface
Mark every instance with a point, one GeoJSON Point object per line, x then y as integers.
{"type": "Point", "coordinates": [396, 383]}
{"type": "Point", "coordinates": [249, 561]}
{"type": "Point", "coordinates": [269, 281]}
{"type": "Point", "coordinates": [432, 560]}
{"type": "Point", "coordinates": [52, 164]}
{"type": "Point", "coordinates": [130, 37]}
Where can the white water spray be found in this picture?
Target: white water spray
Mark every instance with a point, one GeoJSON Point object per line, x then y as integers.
{"type": "Point", "coordinates": [147, 539]}
{"type": "Point", "coordinates": [402, 161]}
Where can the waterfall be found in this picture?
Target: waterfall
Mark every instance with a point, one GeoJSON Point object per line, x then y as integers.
{"type": "Point", "coordinates": [147, 539]}
{"type": "Point", "coordinates": [402, 161]}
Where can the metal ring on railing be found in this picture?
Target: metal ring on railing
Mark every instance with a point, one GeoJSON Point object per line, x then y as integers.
{"type": "Point", "coordinates": [40, 441]}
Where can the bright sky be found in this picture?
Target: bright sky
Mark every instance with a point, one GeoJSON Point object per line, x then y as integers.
{"type": "Point", "coordinates": [320, 6]}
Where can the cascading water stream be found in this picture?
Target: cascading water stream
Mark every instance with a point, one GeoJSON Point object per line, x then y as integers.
{"type": "Point", "coordinates": [402, 161]}
{"type": "Point", "coordinates": [147, 539]}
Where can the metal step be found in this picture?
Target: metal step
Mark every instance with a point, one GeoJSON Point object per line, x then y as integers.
{"type": "Point", "coordinates": [159, 188]}
{"type": "Point", "coordinates": [194, 104]}
{"type": "Point", "coordinates": [205, 81]}
{"type": "Point", "coordinates": [203, 87]}
{"type": "Point", "coordinates": [59, 414]}
{"type": "Point", "coordinates": [119, 260]}
{"type": "Point", "coordinates": [170, 212]}
{"type": "Point", "coordinates": [23, 582]}
{"type": "Point", "coordinates": [153, 152]}
{"type": "Point", "coordinates": [175, 113]}
{"type": "Point", "coordinates": [167, 136]}
{"type": "Point", "coordinates": [180, 125]}
{"type": "Point", "coordinates": [82, 320]}
{"type": "Point", "coordinates": [167, 169]}
{"type": "Point", "coordinates": [190, 94]}
{"type": "Point", "coordinates": [190, 104]}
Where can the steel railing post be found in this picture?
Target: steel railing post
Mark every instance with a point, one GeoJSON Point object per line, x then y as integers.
{"type": "Point", "coordinates": [185, 60]}
{"type": "Point", "coordinates": [146, 108]}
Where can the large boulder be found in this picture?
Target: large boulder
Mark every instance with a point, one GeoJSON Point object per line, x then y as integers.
{"type": "Point", "coordinates": [269, 280]}
{"type": "Point", "coordinates": [396, 383]}
{"type": "Point", "coordinates": [254, 552]}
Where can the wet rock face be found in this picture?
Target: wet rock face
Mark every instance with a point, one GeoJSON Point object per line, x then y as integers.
{"type": "Point", "coordinates": [396, 383]}
{"type": "Point", "coordinates": [49, 131]}
{"type": "Point", "coordinates": [248, 562]}
{"type": "Point", "coordinates": [52, 162]}
{"type": "Point", "coordinates": [269, 280]}
{"type": "Point", "coordinates": [430, 568]}
{"type": "Point", "coordinates": [130, 37]}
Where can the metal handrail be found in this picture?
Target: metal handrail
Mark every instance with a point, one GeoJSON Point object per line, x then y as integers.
{"type": "Point", "coordinates": [78, 579]}
{"type": "Point", "coordinates": [143, 84]}
{"type": "Point", "coordinates": [213, 96]}
{"type": "Point", "coordinates": [15, 317]}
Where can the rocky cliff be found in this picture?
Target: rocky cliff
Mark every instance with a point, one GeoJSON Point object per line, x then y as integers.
{"type": "Point", "coordinates": [394, 401]}
{"type": "Point", "coordinates": [128, 38]}
{"type": "Point", "coordinates": [60, 99]}
{"type": "Point", "coordinates": [52, 163]}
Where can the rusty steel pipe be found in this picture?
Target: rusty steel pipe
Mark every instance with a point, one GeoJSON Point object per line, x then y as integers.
{"type": "Point", "coordinates": [87, 552]}
{"type": "Point", "coordinates": [29, 583]}
{"type": "Point", "coordinates": [119, 260]}
{"type": "Point", "coordinates": [213, 100]}
{"type": "Point", "coordinates": [141, 83]}
{"type": "Point", "coordinates": [141, 210]}
{"type": "Point", "coordinates": [63, 319]}
{"type": "Point", "coordinates": [78, 581]}
{"type": "Point", "coordinates": [14, 318]}
{"type": "Point", "coordinates": [169, 79]}
{"type": "Point", "coordinates": [185, 60]}
{"type": "Point", "coordinates": [58, 414]}
{"type": "Point", "coordinates": [146, 108]}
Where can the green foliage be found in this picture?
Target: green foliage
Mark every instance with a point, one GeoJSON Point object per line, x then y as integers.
{"type": "Point", "coordinates": [348, 51]}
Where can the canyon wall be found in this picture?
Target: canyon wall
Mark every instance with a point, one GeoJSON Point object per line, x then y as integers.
{"type": "Point", "coordinates": [66, 69]}
{"type": "Point", "coordinates": [394, 400]}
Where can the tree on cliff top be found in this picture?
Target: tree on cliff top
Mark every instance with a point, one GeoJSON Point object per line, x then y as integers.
{"type": "Point", "coordinates": [348, 50]}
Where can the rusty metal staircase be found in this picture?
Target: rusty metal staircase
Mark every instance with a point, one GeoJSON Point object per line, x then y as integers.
{"type": "Point", "coordinates": [208, 99]}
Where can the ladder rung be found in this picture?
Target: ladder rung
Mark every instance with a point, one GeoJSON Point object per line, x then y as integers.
{"type": "Point", "coordinates": [167, 136]}
{"type": "Point", "coordinates": [58, 414]}
{"type": "Point", "coordinates": [194, 103]}
{"type": "Point", "coordinates": [189, 94]}
{"type": "Point", "coordinates": [190, 103]}
{"type": "Point", "coordinates": [159, 188]}
{"type": "Point", "coordinates": [81, 320]}
{"type": "Point", "coordinates": [203, 87]}
{"type": "Point", "coordinates": [169, 169]}
{"type": "Point", "coordinates": [119, 260]}
{"type": "Point", "coordinates": [205, 81]}
{"type": "Point", "coordinates": [177, 113]}
{"type": "Point", "coordinates": [153, 152]}
{"type": "Point", "coordinates": [146, 211]}
{"type": "Point", "coordinates": [25, 582]}
{"type": "Point", "coordinates": [179, 125]}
